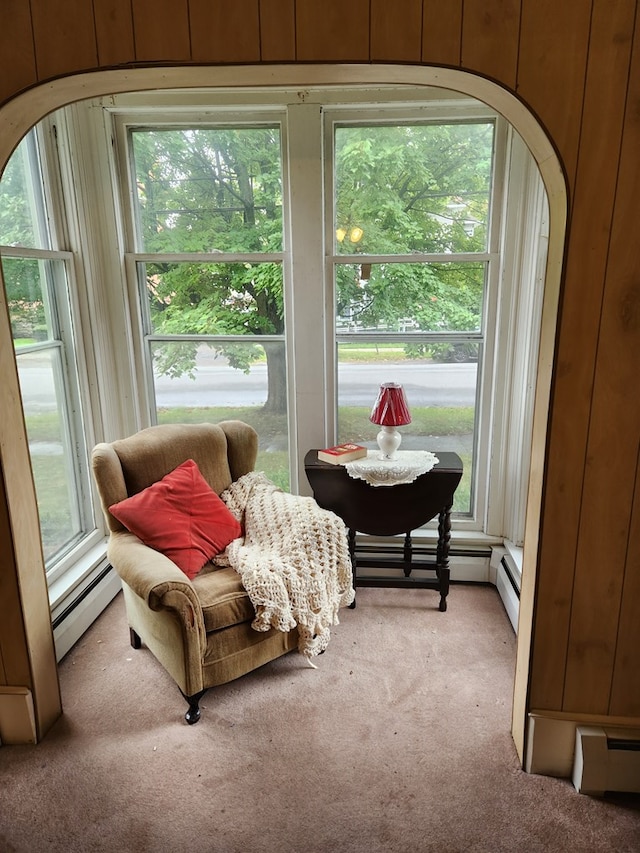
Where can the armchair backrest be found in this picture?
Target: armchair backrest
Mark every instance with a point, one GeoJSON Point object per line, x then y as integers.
{"type": "Point", "coordinates": [223, 453]}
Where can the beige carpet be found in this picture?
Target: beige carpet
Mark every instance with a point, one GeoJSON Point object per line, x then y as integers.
{"type": "Point", "coordinates": [399, 741]}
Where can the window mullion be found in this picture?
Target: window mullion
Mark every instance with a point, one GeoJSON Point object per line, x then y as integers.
{"type": "Point", "coordinates": [96, 230]}
{"type": "Point", "coordinates": [306, 302]}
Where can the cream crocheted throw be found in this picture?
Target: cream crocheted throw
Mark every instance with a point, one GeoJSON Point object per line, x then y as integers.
{"type": "Point", "coordinates": [293, 560]}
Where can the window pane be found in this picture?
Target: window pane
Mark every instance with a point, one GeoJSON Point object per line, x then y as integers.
{"type": "Point", "coordinates": [208, 190]}
{"type": "Point", "coordinates": [410, 297]}
{"type": "Point", "coordinates": [51, 449]}
{"type": "Point", "coordinates": [214, 299]}
{"type": "Point", "coordinates": [49, 405]}
{"type": "Point", "coordinates": [412, 188]}
{"type": "Point", "coordinates": [28, 284]}
{"type": "Point", "coordinates": [229, 381]}
{"type": "Point", "coordinates": [440, 391]}
{"type": "Point", "coordinates": [22, 208]}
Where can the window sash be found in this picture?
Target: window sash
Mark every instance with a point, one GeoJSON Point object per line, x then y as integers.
{"type": "Point", "coordinates": [58, 448]}
{"type": "Point", "coordinates": [474, 514]}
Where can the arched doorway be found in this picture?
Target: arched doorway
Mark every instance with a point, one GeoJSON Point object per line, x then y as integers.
{"type": "Point", "coordinates": [23, 112]}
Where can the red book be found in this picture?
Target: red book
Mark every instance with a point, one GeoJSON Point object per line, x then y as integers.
{"type": "Point", "coordinates": [342, 453]}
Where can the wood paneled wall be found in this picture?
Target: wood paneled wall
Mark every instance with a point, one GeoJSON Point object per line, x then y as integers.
{"type": "Point", "coordinates": [576, 65]}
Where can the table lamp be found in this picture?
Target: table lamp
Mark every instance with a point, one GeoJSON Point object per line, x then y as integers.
{"type": "Point", "coordinates": [389, 411]}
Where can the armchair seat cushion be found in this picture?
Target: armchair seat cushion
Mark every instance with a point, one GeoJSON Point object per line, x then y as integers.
{"type": "Point", "coordinates": [223, 598]}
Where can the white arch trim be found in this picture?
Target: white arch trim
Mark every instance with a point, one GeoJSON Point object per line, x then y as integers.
{"type": "Point", "coordinates": [19, 115]}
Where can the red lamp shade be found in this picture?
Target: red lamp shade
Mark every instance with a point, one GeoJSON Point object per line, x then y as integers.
{"type": "Point", "coordinates": [390, 408]}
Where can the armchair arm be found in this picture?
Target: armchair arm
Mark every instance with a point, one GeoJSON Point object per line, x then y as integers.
{"type": "Point", "coordinates": [156, 580]}
{"type": "Point", "coordinates": [242, 447]}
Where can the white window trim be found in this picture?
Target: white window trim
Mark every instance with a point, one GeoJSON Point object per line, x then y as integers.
{"type": "Point", "coordinates": [70, 345]}
{"type": "Point", "coordinates": [518, 321]}
{"type": "Point", "coordinates": [96, 230]}
{"type": "Point", "coordinates": [76, 564]}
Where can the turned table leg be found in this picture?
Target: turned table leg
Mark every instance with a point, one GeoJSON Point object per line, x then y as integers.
{"type": "Point", "coordinates": [352, 554]}
{"type": "Point", "coordinates": [407, 553]}
{"type": "Point", "coordinates": [442, 555]}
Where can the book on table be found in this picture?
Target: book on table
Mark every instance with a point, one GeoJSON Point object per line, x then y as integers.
{"type": "Point", "coordinates": [342, 453]}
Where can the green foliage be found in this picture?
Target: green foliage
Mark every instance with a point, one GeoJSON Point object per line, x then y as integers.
{"type": "Point", "coordinates": [27, 307]}
{"type": "Point", "coordinates": [18, 222]}
{"type": "Point", "coordinates": [20, 226]}
{"type": "Point", "coordinates": [208, 190]}
{"type": "Point", "coordinates": [412, 297]}
{"type": "Point", "coordinates": [409, 188]}
{"type": "Point", "coordinates": [222, 299]}
{"type": "Point", "coordinates": [413, 188]}
{"type": "Point", "coordinates": [212, 190]}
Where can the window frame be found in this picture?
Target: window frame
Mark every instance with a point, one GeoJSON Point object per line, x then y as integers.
{"type": "Point", "coordinates": [439, 113]}
{"type": "Point", "coordinates": [67, 566]}
{"type": "Point", "coordinates": [121, 123]}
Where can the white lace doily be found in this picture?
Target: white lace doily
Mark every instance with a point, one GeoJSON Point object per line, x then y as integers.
{"type": "Point", "coordinates": [405, 467]}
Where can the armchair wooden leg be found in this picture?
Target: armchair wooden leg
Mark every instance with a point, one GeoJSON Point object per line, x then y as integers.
{"type": "Point", "coordinates": [193, 714]}
{"type": "Point", "coordinates": [136, 642]}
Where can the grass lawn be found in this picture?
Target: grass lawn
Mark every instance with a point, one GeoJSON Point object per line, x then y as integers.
{"type": "Point", "coordinates": [54, 502]}
{"type": "Point", "coordinates": [352, 353]}
{"type": "Point", "coordinates": [355, 424]}
{"type": "Point", "coordinates": [273, 459]}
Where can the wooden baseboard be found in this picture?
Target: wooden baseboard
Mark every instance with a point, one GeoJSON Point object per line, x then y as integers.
{"type": "Point", "coordinates": [17, 716]}
{"type": "Point", "coordinates": [551, 739]}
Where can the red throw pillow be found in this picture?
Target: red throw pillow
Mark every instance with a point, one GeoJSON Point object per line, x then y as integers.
{"type": "Point", "coordinates": [180, 516]}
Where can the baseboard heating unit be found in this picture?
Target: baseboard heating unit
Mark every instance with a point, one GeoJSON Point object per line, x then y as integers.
{"type": "Point", "coordinates": [606, 759]}
{"type": "Point", "coordinates": [508, 579]}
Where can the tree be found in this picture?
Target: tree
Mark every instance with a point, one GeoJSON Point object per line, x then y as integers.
{"type": "Point", "coordinates": [204, 190]}
{"type": "Point", "coordinates": [403, 188]}
{"type": "Point", "coordinates": [410, 189]}
{"type": "Point", "coordinates": [19, 227]}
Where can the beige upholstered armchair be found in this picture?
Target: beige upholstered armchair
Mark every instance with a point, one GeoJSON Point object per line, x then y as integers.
{"type": "Point", "coordinates": [198, 628]}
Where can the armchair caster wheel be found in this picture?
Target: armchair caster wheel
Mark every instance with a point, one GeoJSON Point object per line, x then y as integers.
{"type": "Point", "coordinates": [193, 714]}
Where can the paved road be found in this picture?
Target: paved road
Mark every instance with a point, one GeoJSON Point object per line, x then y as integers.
{"type": "Point", "coordinates": [218, 385]}
{"type": "Point", "coordinates": [433, 385]}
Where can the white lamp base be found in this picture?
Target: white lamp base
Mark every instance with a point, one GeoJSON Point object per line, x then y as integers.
{"type": "Point", "coordinates": [388, 441]}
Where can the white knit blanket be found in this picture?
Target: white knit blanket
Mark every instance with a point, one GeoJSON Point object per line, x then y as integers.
{"type": "Point", "coordinates": [293, 560]}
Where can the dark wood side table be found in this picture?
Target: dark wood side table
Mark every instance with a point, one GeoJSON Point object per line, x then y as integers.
{"type": "Point", "coordinates": [389, 510]}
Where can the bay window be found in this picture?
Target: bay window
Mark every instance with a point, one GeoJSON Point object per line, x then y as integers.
{"type": "Point", "coordinates": [408, 262]}
{"type": "Point", "coordinates": [39, 274]}
{"type": "Point", "coordinates": [274, 256]}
